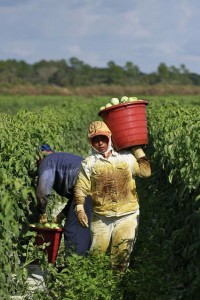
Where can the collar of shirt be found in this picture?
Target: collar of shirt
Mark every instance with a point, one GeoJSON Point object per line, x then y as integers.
{"type": "Point", "coordinates": [98, 155]}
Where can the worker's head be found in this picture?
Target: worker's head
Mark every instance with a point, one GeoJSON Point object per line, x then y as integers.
{"type": "Point", "coordinates": [44, 150]}
{"type": "Point", "coordinates": [45, 147]}
{"type": "Point", "coordinates": [99, 136]}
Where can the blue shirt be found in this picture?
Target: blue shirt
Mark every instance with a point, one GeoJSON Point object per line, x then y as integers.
{"type": "Point", "coordinates": [57, 171]}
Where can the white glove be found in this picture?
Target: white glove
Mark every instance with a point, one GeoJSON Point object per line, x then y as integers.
{"type": "Point", "coordinates": [138, 152]}
{"type": "Point", "coordinates": [82, 217]}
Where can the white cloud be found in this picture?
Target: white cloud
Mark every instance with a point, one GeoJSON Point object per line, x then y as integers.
{"type": "Point", "coordinates": [21, 52]}
{"type": "Point", "coordinates": [132, 27]}
{"type": "Point", "coordinates": [74, 50]}
{"type": "Point", "coordinates": [186, 14]}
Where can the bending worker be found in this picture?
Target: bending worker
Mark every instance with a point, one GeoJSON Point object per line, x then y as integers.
{"type": "Point", "coordinates": [59, 171]}
{"type": "Point", "coordinates": [109, 177]}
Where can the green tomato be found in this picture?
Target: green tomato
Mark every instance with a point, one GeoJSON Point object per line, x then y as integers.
{"type": "Point", "coordinates": [108, 105]}
{"type": "Point", "coordinates": [54, 226]}
{"type": "Point", "coordinates": [114, 101]}
{"type": "Point", "coordinates": [40, 225]}
{"type": "Point", "coordinates": [131, 99]}
{"type": "Point", "coordinates": [32, 225]}
{"type": "Point", "coordinates": [47, 225]}
{"type": "Point", "coordinates": [124, 99]}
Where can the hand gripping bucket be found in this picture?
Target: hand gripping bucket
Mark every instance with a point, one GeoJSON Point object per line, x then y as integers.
{"type": "Point", "coordinates": [48, 235]}
{"type": "Point", "coordinates": [128, 123]}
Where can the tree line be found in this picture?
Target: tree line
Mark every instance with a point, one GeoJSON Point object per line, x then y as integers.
{"type": "Point", "coordinates": [75, 72]}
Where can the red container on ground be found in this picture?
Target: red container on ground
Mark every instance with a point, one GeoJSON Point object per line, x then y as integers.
{"type": "Point", "coordinates": [128, 123]}
{"type": "Point", "coordinates": [52, 236]}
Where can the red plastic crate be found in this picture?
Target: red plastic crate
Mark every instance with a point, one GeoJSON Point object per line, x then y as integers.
{"type": "Point", "coordinates": [48, 235]}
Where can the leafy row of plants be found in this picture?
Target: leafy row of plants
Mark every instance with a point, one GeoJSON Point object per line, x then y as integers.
{"type": "Point", "coordinates": [64, 129]}
{"type": "Point", "coordinates": [175, 202]}
{"type": "Point", "coordinates": [169, 205]}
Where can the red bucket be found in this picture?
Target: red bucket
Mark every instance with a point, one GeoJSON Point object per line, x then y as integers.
{"type": "Point", "coordinates": [128, 123]}
{"type": "Point", "coordinates": [48, 235]}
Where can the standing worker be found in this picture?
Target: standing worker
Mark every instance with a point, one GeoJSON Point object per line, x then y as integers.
{"type": "Point", "coordinates": [109, 177]}
{"type": "Point", "coordinates": [59, 171]}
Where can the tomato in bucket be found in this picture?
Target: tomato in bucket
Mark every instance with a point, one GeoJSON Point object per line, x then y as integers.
{"type": "Point", "coordinates": [128, 123]}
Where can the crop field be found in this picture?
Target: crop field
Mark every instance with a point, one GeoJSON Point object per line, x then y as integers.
{"type": "Point", "coordinates": [165, 262]}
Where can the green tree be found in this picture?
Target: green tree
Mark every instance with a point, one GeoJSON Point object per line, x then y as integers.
{"type": "Point", "coordinates": [76, 69]}
{"type": "Point", "coordinates": [116, 74]}
{"type": "Point", "coordinates": [163, 72]}
{"type": "Point", "coordinates": [132, 73]}
{"type": "Point", "coordinates": [44, 71]}
{"type": "Point", "coordinates": [61, 76]}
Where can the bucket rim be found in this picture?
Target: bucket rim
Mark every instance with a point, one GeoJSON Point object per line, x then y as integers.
{"type": "Point", "coordinates": [120, 105]}
{"type": "Point", "coordinates": [41, 229]}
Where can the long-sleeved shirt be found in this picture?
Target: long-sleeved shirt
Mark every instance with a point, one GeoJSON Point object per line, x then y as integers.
{"type": "Point", "coordinates": [57, 171]}
{"type": "Point", "coordinates": [111, 182]}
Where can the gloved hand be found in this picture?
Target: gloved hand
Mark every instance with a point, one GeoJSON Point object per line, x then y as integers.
{"type": "Point", "coordinates": [43, 218]}
{"type": "Point", "coordinates": [138, 152]}
{"type": "Point", "coordinates": [59, 218]}
{"type": "Point", "coordinates": [82, 217]}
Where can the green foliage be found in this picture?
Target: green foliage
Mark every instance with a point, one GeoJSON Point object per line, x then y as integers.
{"type": "Point", "coordinates": [21, 135]}
{"type": "Point", "coordinates": [174, 135]}
{"type": "Point", "coordinates": [77, 73]}
{"type": "Point", "coordinates": [165, 262]}
{"type": "Point", "coordinates": [85, 277]}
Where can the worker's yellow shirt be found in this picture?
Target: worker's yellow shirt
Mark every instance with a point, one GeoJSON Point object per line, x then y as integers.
{"type": "Point", "coordinates": [110, 182]}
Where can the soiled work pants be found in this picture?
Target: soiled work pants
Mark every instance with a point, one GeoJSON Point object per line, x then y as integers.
{"type": "Point", "coordinates": [118, 233]}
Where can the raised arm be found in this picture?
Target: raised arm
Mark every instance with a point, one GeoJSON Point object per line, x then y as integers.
{"type": "Point", "coordinates": [142, 167]}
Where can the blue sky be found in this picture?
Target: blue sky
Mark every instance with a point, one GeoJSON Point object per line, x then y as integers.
{"type": "Point", "coordinates": [146, 32]}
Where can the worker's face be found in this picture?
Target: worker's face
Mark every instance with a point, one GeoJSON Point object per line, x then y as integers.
{"type": "Point", "coordinates": [100, 143]}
